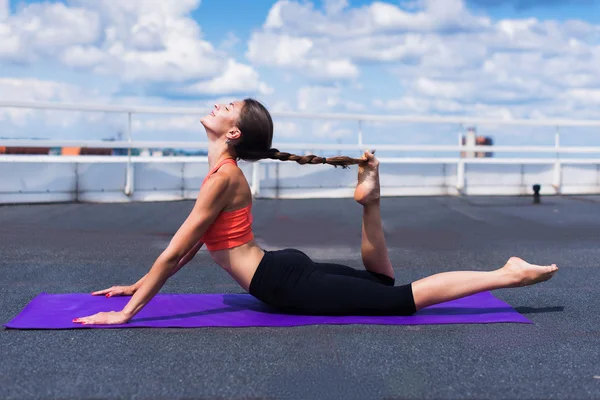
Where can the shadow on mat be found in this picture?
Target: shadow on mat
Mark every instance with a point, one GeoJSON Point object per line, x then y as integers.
{"type": "Point", "coordinates": [245, 302]}
{"type": "Point", "coordinates": [541, 310]}
{"type": "Point", "coordinates": [464, 311]}
{"type": "Point", "coordinates": [234, 302]}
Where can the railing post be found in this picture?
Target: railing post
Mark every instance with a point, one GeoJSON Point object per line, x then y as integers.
{"type": "Point", "coordinates": [255, 178]}
{"type": "Point", "coordinates": [460, 175]}
{"type": "Point", "coordinates": [556, 182]}
{"type": "Point", "coordinates": [460, 166]}
{"type": "Point", "coordinates": [360, 137]}
{"type": "Point", "coordinates": [461, 132]}
{"type": "Point", "coordinates": [129, 170]}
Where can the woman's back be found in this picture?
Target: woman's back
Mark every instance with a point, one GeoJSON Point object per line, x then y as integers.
{"type": "Point", "coordinates": [230, 239]}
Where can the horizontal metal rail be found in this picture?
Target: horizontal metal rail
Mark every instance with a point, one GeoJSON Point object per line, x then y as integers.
{"type": "Point", "coordinates": [301, 146]}
{"type": "Point", "coordinates": [197, 159]}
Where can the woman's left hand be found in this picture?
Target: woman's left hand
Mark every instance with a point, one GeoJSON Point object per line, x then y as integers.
{"type": "Point", "coordinates": [104, 318]}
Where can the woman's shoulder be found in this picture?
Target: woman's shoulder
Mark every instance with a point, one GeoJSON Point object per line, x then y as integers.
{"type": "Point", "coordinates": [229, 171]}
{"type": "Point", "coordinates": [235, 178]}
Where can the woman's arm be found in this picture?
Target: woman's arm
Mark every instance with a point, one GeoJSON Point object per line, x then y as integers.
{"type": "Point", "coordinates": [187, 258]}
{"type": "Point", "coordinates": [211, 201]}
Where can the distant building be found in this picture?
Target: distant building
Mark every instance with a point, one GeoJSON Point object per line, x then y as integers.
{"type": "Point", "coordinates": [471, 139]}
{"type": "Point", "coordinates": [24, 150]}
{"type": "Point", "coordinates": [92, 151]}
{"type": "Point", "coordinates": [95, 151]}
{"type": "Point", "coordinates": [86, 151]}
{"type": "Point", "coordinates": [124, 152]}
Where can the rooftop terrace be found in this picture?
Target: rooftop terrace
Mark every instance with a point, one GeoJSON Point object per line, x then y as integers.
{"type": "Point", "coordinates": [63, 248]}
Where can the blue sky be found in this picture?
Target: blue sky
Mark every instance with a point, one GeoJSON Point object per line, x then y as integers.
{"type": "Point", "coordinates": [500, 59]}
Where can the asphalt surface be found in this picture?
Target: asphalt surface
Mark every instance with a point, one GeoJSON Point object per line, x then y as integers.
{"type": "Point", "coordinates": [64, 248]}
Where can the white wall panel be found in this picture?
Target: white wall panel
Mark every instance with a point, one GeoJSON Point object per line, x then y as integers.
{"type": "Point", "coordinates": [412, 175]}
{"type": "Point", "coordinates": [158, 176]}
{"type": "Point", "coordinates": [493, 175]}
{"type": "Point", "coordinates": [538, 174]}
{"type": "Point", "coordinates": [38, 177]}
{"type": "Point", "coordinates": [573, 174]}
{"type": "Point", "coordinates": [293, 175]}
{"type": "Point", "coordinates": [96, 181]}
{"type": "Point", "coordinates": [101, 177]}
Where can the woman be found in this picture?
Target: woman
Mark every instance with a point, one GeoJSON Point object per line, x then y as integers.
{"type": "Point", "coordinates": [288, 279]}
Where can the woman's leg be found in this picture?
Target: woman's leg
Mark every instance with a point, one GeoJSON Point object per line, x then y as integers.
{"type": "Point", "coordinates": [293, 282]}
{"type": "Point", "coordinates": [320, 293]}
{"type": "Point", "coordinates": [339, 269]}
{"type": "Point", "coordinates": [373, 247]}
{"type": "Point", "coordinates": [453, 285]}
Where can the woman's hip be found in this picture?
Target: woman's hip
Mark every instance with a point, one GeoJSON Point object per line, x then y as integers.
{"type": "Point", "coordinates": [276, 272]}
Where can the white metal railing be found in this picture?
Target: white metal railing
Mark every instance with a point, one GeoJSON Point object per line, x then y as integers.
{"type": "Point", "coordinates": [556, 150]}
{"type": "Point", "coordinates": [302, 146]}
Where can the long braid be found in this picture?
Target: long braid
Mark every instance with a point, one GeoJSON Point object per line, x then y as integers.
{"type": "Point", "coordinates": [274, 154]}
{"type": "Point", "coordinates": [256, 126]}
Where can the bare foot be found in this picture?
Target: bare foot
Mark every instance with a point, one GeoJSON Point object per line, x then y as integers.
{"type": "Point", "coordinates": [367, 188]}
{"type": "Point", "coordinates": [523, 274]}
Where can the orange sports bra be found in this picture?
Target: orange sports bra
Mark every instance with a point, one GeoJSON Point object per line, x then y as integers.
{"type": "Point", "coordinates": [231, 228]}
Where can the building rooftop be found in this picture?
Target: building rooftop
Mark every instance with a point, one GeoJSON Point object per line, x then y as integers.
{"type": "Point", "coordinates": [64, 248]}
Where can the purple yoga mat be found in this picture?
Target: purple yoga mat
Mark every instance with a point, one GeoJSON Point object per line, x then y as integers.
{"type": "Point", "coordinates": [56, 311]}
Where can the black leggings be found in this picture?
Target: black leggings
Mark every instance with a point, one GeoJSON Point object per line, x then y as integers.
{"type": "Point", "coordinates": [290, 281]}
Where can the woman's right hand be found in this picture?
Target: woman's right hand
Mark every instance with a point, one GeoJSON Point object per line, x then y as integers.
{"type": "Point", "coordinates": [116, 291]}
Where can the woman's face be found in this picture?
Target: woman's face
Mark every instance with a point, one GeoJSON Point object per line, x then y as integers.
{"type": "Point", "coordinates": [223, 118]}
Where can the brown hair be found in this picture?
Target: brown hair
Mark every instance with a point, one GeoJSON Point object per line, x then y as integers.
{"type": "Point", "coordinates": [256, 126]}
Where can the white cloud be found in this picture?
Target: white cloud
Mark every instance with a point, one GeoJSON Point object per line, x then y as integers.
{"type": "Point", "coordinates": [391, 47]}
{"type": "Point", "coordinates": [318, 98]}
{"type": "Point", "coordinates": [420, 105]}
{"type": "Point", "coordinates": [82, 56]}
{"type": "Point", "coordinates": [286, 129]}
{"type": "Point", "coordinates": [583, 96]}
{"type": "Point", "coordinates": [323, 99]}
{"type": "Point", "coordinates": [281, 106]}
{"type": "Point", "coordinates": [40, 122]}
{"type": "Point", "coordinates": [332, 69]}
{"type": "Point", "coordinates": [22, 122]}
{"type": "Point", "coordinates": [235, 79]}
{"type": "Point", "coordinates": [36, 89]}
{"type": "Point", "coordinates": [444, 58]}
{"type": "Point", "coordinates": [333, 7]}
{"type": "Point", "coordinates": [434, 15]}
{"type": "Point", "coordinates": [10, 44]}
{"type": "Point", "coordinates": [131, 40]}
{"type": "Point", "coordinates": [4, 10]}
{"type": "Point", "coordinates": [425, 56]}
{"type": "Point", "coordinates": [229, 42]}
{"type": "Point", "coordinates": [330, 130]}
{"type": "Point", "coordinates": [278, 50]}
{"type": "Point", "coordinates": [326, 45]}
{"type": "Point", "coordinates": [291, 52]}
{"type": "Point", "coordinates": [159, 43]}
{"type": "Point", "coordinates": [300, 18]}
{"type": "Point", "coordinates": [45, 29]}
{"type": "Point", "coordinates": [167, 124]}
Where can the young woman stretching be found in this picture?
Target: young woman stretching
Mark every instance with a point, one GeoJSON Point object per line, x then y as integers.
{"type": "Point", "coordinates": [288, 279]}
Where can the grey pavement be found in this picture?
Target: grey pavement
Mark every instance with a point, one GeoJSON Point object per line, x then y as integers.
{"type": "Point", "coordinates": [64, 248]}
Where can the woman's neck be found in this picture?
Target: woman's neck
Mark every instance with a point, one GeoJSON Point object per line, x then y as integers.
{"type": "Point", "coordinates": [216, 154]}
